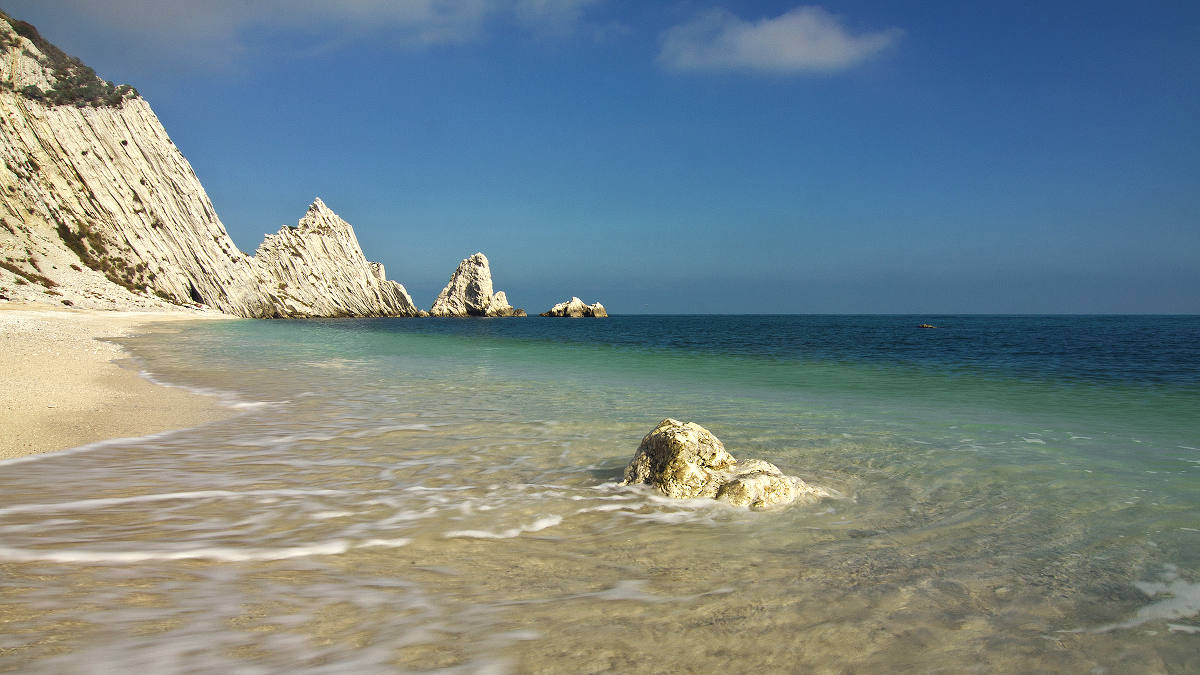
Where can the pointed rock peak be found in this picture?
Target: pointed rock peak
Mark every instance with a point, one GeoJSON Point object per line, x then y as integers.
{"type": "Point", "coordinates": [318, 206]}
{"type": "Point", "coordinates": [321, 217]}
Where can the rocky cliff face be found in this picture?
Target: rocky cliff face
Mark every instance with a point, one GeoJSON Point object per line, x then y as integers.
{"type": "Point", "coordinates": [469, 292]}
{"type": "Point", "coordinates": [99, 209]}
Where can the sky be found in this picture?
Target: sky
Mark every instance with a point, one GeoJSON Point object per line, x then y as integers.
{"type": "Point", "coordinates": [696, 157]}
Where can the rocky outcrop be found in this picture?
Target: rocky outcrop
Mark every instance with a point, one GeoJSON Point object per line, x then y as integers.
{"type": "Point", "coordinates": [469, 292]}
{"type": "Point", "coordinates": [318, 269]}
{"type": "Point", "coordinates": [98, 208]}
{"type": "Point", "coordinates": [575, 308]}
{"type": "Point", "coordinates": [684, 460]}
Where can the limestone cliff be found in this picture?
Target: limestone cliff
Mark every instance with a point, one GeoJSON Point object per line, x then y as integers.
{"type": "Point", "coordinates": [98, 208]}
{"type": "Point", "coordinates": [469, 292]}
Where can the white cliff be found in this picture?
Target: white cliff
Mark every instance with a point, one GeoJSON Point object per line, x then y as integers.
{"type": "Point", "coordinates": [98, 208]}
{"type": "Point", "coordinates": [469, 292]}
{"type": "Point", "coordinates": [576, 308]}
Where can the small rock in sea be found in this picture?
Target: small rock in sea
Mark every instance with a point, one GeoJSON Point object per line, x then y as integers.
{"type": "Point", "coordinates": [685, 461]}
{"type": "Point", "coordinates": [469, 292]}
{"type": "Point", "coordinates": [575, 308]}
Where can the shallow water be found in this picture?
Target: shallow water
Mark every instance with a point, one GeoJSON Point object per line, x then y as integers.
{"type": "Point", "coordinates": [1015, 493]}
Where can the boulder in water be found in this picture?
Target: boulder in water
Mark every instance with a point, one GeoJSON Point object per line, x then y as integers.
{"type": "Point", "coordinates": [686, 461]}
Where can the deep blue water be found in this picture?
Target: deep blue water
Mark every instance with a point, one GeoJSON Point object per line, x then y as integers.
{"type": "Point", "coordinates": [1100, 349]}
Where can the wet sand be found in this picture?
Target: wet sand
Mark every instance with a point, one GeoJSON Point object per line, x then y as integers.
{"type": "Point", "coordinates": [62, 386]}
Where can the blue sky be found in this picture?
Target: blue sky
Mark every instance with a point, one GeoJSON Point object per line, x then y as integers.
{"type": "Point", "coordinates": [696, 156]}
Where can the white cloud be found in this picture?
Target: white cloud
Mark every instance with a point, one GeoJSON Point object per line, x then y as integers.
{"type": "Point", "coordinates": [805, 39]}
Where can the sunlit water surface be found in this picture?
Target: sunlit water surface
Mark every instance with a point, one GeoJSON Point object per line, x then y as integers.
{"type": "Point", "coordinates": [1015, 493]}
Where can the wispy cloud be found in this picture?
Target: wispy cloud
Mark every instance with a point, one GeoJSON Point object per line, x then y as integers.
{"type": "Point", "coordinates": [553, 16]}
{"type": "Point", "coordinates": [216, 34]}
{"type": "Point", "coordinates": [805, 39]}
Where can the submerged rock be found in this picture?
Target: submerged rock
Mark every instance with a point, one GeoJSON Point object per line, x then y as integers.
{"type": "Point", "coordinates": [685, 461]}
{"type": "Point", "coordinates": [469, 292]}
{"type": "Point", "coordinates": [576, 308]}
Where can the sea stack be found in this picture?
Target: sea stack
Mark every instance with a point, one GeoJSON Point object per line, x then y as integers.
{"type": "Point", "coordinates": [469, 292]}
{"type": "Point", "coordinates": [575, 308]}
{"type": "Point", "coordinates": [684, 460]}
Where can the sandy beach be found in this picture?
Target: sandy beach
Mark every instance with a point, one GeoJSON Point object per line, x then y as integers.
{"type": "Point", "coordinates": [62, 385]}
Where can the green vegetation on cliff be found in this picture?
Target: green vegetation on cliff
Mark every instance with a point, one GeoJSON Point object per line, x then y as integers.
{"type": "Point", "coordinates": [74, 82]}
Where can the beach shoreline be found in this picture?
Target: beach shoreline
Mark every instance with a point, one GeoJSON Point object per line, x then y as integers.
{"type": "Point", "coordinates": [62, 384]}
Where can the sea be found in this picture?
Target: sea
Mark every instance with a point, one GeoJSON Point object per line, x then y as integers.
{"type": "Point", "coordinates": [1010, 494]}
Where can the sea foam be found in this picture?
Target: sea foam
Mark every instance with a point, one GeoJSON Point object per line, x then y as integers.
{"type": "Point", "coordinates": [536, 526]}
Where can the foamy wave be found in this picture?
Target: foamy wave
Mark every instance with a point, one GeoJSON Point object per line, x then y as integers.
{"type": "Point", "coordinates": [379, 431]}
{"type": "Point", "coordinates": [385, 543]}
{"type": "Point", "coordinates": [673, 517]}
{"type": "Point", "coordinates": [335, 364]}
{"type": "Point", "coordinates": [618, 497]}
{"type": "Point", "coordinates": [226, 398]}
{"type": "Point", "coordinates": [611, 487]}
{"type": "Point", "coordinates": [269, 441]}
{"type": "Point", "coordinates": [88, 504]}
{"type": "Point", "coordinates": [281, 439]}
{"type": "Point", "coordinates": [217, 553]}
{"type": "Point", "coordinates": [537, 526]}
{"type": "Point", "coordinates": [646, 503]}
{"type": "Point", "coordinates": [214, 553]}
{"type": "Point", "coordinates": [605, 507]}
{"type": "Point", "coordinates": [90, 446]}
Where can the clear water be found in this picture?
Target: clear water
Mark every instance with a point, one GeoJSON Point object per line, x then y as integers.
{"type": "Point", "coordinates": [1016, 493]}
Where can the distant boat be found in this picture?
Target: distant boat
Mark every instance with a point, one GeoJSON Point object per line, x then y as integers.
{"type": "Point", "coordinates": [927, 325]}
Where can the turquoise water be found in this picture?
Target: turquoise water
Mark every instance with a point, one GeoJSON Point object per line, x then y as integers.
{"type": "Point", "coordinates": [1013, 493]}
